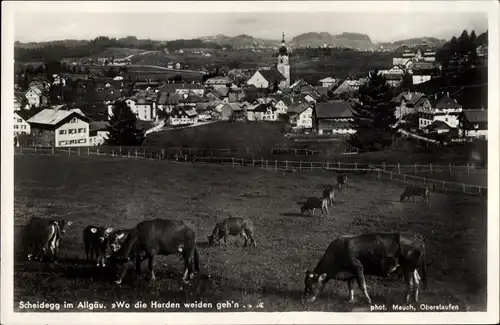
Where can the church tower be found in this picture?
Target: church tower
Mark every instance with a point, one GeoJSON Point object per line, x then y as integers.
{"type": "Point", "coordinates": [283, 63]}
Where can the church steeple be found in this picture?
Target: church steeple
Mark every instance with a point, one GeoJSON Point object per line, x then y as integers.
{"type": "Point", "coordinates": [283, 63]}
{"type": "Point", "coordinates": [283, 50]}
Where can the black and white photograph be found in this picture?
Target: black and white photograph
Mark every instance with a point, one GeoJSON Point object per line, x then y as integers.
{"type": "Point", "coordinates": [250, 162]}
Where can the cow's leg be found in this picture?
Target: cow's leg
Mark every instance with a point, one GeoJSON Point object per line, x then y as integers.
{"type": "Point", "coordinates": [151, 265]}
{"type": "Point", "coordinates": [314, 212]}
{"type": "Point", "coordinates": [416, 279]}
{"type": "Point", "coordinates": [245, 237]}
{"type": "Point", "coordinates": [125, 268]}
{"type": "Point", "coordinates": [139, 258]}
{"type": "Point", "coordinates": [409, 280]}
{"type": "Point", "coordinates": [188, 264]}
{"type": "Point", "coordinates": [360, 277]}
{"type": "Point", "coordinates": [350, 286]}
{"type": "Point", "coordinates": [225, 239]}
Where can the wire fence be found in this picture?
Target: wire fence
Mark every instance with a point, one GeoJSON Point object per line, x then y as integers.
{"type": "Point", "coordinates": [390, 172]}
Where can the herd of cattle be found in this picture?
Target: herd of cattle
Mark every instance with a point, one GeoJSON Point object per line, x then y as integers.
{"type": "Point", "coordinates": [348, 258]}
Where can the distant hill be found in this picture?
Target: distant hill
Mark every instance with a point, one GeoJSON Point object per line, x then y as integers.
{"type": "Point", "coordinates": [239, 40]}
{"type": "Point", "coordinates": [351, 40]}
{"type": "Point", "coordinates": [412, 42]}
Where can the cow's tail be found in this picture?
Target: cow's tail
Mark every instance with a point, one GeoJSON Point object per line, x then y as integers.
{"type": "Point", "coordinates": [196, 259]}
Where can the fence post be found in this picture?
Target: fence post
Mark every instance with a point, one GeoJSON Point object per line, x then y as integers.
{"type": "Point", "coordinates": [88, 151]}
{"type": "Point", "coordinates": [430, 168]}
{"type": "Point", "coordinates": [78, 151]}
{"type": "Point", "coordinates": [98, 151]}
{"type": "Point", "coordinates": [253, 162]}
{"type": "Point", "coordinates": [404, 178]}
{"type": "Point", "coordinates": [267, 161]}
{"type": "Point", "coordinates": [233, 161]}
{"type": "Point", "coordinates": [261, 162]}
{"type": "Point", "coordinates": [120, 151]}
{"type": "Point", "coordinates": [399, 169]}
{"type": "Point", "coordinates": [242, 162]}
{"type": "Point", "coordinates": [135, 153]}
{"type": "Point", "coordinates": [312, 166]}
{"type": "Point", "coordinates": [443, 185]}
{"type": "Point", "coordinates": [463, 187]}
{"type": "Point", "coordinates": [415, 169]}
{"type": "Point", "coordinates": [275, 165]}
{"type": "Point", "coordinates": [468, 169]}
{"type": "Point", "coordinates": [35, 149]}
{"type": "Point", "coordinates": [163, 153]}
{"type": "Point", "coordinates": [113, 153]}
{"type": "Point", "coordinates": [327, 165]}
{"type": "Point", "coordinates": [391, 175]}
{"type": "Point", "coordinates": [383, 166]}
{"type": "Point", "coordinates": [339, 164]}
{"type": "Point", "coordinates": [378, 174]}
{"type": "Point", "coordinates": [449, 165]}
{"type": "Point", "coordinates": [53, 151]}
{"type": "Point", "coordinates": [286, 164]}
{"type": "Point", "coordinates": [144, 153]}
{"type": "Point", "coordinates": [356, 166]}
{"type": "Point", "coordinates": [300, 165]}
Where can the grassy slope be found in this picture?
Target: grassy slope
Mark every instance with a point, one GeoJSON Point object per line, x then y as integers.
{"type": "Point", "coordinates": [121, 192]}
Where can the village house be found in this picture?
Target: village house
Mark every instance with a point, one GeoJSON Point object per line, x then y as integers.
{"type": "Point", "coordinates": [98, 133]}
{"type": "Point", "coordinates": [183, 116]}
{"type": "Point", "coordinates": [473, 123]}
{"type": "Point", "coordinates": [58, 80]}
{"type": "Point", "coordinates": [218, 82]}
{"type": "Point", "coordinates": [267, 79]}
{"type": "Point", "coordinates": [345, 89]}
{"type": "Point", "coordinates": [232, 110]}
{"type": "Point", "coordinates": [334, 117]}
{"type": "Point", "coordinates": [395, 70]}
{"type": "Point", "coordinates": [41, 84]}
{"type": "Point", "coordinates": [301, 115]}
{"type": "Point", "coordinates": [21, 125]}
{"type": "Point", "coordinates": [281, 106]}
{"type": "Point", "coordinates": [20, 101]}
{"type": "Point", "coordinates": [186, 88]}
{"type": "Point", "coordinates": [144, 109]}
{"type": "Point", "coordinates": [327, 82]}
{"type": "Point", "coordinates": [408, 102]}
{"type": "Point", "coordinates": [440, 108]}
{"type": "Point", "coordinates": [437, 127]}
{"type": "Point", "coordinates": [60, 128]}
{"type": "Point", "coordinates": [393, 80]}
{"type": "Point", "coordinates": [35, 97]}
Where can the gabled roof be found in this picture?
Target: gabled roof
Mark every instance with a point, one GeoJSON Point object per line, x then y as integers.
{"type": "Point", "coordinates": [411, 98]}
{"type": "Point", "coordinates": [98, 126]}
{"type": "Point", "coordinates": [328, 79]}
{"type": "Point", "coordinates": [234, 106]}
{"type": "Point", "coordinates": [444, 102]}
{"type": "Point", "coordinates": [272, 75]}
{"type": "Point", "coordinates": [334, 109]}
{"type": "Point", "coordinates": [24, 114]}
{"type": "Point", "coordinates": [36, 90]}
{"type": "Point", "coordinates": [476, 115]}
{"type": "Point", "coordinates": [298, 108]}
{"type": "Point", "coordinates": [53, 117]}
{"type": "Point", "coordinates": [438, 125]}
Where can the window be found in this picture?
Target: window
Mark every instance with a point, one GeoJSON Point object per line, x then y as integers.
{"type": "Point", "coordinates": [62, 143]}
{"type": "Point", "coordinates": [74, 120]}
{"type": "Point", "coordinates": [19, 120]}
{"type": "Point", "coordinates": [83, 140]}
{"type": "Point", "coordinates": [16, 126]}
{"type": "Point", "coordinates": [62, 132]}
{"type": "Point", "coordinates": [23, 127]}
{"type": "Point", "coordinates": [81, 130]}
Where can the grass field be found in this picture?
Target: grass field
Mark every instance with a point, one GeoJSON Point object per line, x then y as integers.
{"type": "Point", "coordinates": [122, 192]}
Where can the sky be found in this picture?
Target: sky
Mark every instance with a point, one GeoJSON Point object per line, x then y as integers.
{"type": "Point", "coordinates": [380, 26]}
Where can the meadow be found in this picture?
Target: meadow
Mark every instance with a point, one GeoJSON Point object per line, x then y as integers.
{"type": "Point", "coordinates": [121, 192]}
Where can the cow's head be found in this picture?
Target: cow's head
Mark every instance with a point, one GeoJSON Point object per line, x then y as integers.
{"type": "Point", "coordinates": [63, 225]}
{"type": "Point", "coordinates": [314, 284]}
{"type": "Point", "coordinates": [116, 240]}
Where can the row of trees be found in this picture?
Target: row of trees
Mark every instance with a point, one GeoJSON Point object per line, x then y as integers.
{"type": "Point", "coordinates": [463, 46]}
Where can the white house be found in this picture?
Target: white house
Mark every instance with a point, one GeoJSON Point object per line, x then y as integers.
{"type": "Point", "coordinates": [301, 115]}
{"type": "Point", "coordinates": [143, 109]}
{"type": "Point", "coordinates": [34, 96]}
{"type": "Point", "coordinates": [61, 128]}
{"type": "Point", "coordinates": [334, 117]}
{"type": "Point", "coordinates": [328, 82]}
{"type": "Point", "coordinates": [98, 133]}
{"type": "Point", "coordinates": [420, 78]}
{"type": "Point", "coordinates": [443, 108]}
{"type": "Point", "coordinates": [21, 124]}
{"type": "Point", "coordinates": [185, 89]}
{"type": "Point", "coordinates": [218, 82]}
{"type": "Point", "coordinates": [281, 107]}
{"type": "Point", "coordinates": [182, 117]}
{"type": "Point", "coordinates": [473, 123]}
{"type": "Point", "coordinates": [267, 78]}
{"type": "Point", "coordinates": [408, 102]}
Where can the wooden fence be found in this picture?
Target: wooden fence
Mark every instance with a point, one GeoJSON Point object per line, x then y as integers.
{"type": "Point", "coordinates": [381, 172]}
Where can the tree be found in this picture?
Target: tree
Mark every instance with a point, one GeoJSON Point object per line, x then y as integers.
{"type": "Point", "coordinates": [373, 116]}
{"type": "Point", "coordinates": [122, 128]}
{"type": "Point", "coordinates": [407, 83]}
{"type": "Point", "coordinates": [472, 47]}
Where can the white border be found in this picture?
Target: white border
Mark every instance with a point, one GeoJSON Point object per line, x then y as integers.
{"type": "Point", "coordinates": [9, 317]}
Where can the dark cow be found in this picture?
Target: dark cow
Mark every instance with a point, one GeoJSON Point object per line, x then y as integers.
{"type": "Point", "coordinates": [412, 191]}
{"type": "Point", "coordinates": [95, 240]}
{"type": "Point", "coordinates": [342, 180]}
{"type": "Point", "coordinates": [233, 226]}
{"type": "Point", "coordinates": [41, 236]}
{"type": "Point", "coordinates": [350, 258]}
{"type": "Point", "coordinates": [314, 203]}
{"type": "Point", "coordinates": [159, 237]}
{"type": "Point", "coordinates": [329, 194]}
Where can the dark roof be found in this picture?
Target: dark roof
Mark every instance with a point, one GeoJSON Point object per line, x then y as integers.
{"type": "Point", "coordinates": [438, 125]}
{"type": "Point", "coordinates": [272, 75]}
{"type": "Point", "coordinates": [24, 114]}
{"type": "Point", "coordinates": [331, 124]}
{"type": "Point", "coordinates": [444, 102]}
{"type": "Point", "coordinates": [476, 115]}
{"type": "Point", "coordinates": [298, 108]}
{"type": "Point", "coordinates": [333, 109]}
{"type": "Point", "coordinates": [98, 126]}
{"type": "Point", "coordinates": [322, 90]}
{"type": "Point", "coordinates": [411, 98]}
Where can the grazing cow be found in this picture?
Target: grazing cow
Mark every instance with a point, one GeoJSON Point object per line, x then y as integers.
{"type": "Point", "coordinates": [342, 180]}
{"type": "Point", "coordinates": [412, 191]}
{"type": "Point", "coordinates": [159, 237]}
{"type": "Point", "coordinates": [42, 235]}
{"type": "Point", "coordinates": [329, 194]}
{"type": "Point", "coordinates": [95, 240]}
{"type": "Point", "coordinates": [233, 226]}
{"type": "Point", "coordinates": [350, 258]}
{"type": "Point", "coordinates": [314, 203]}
